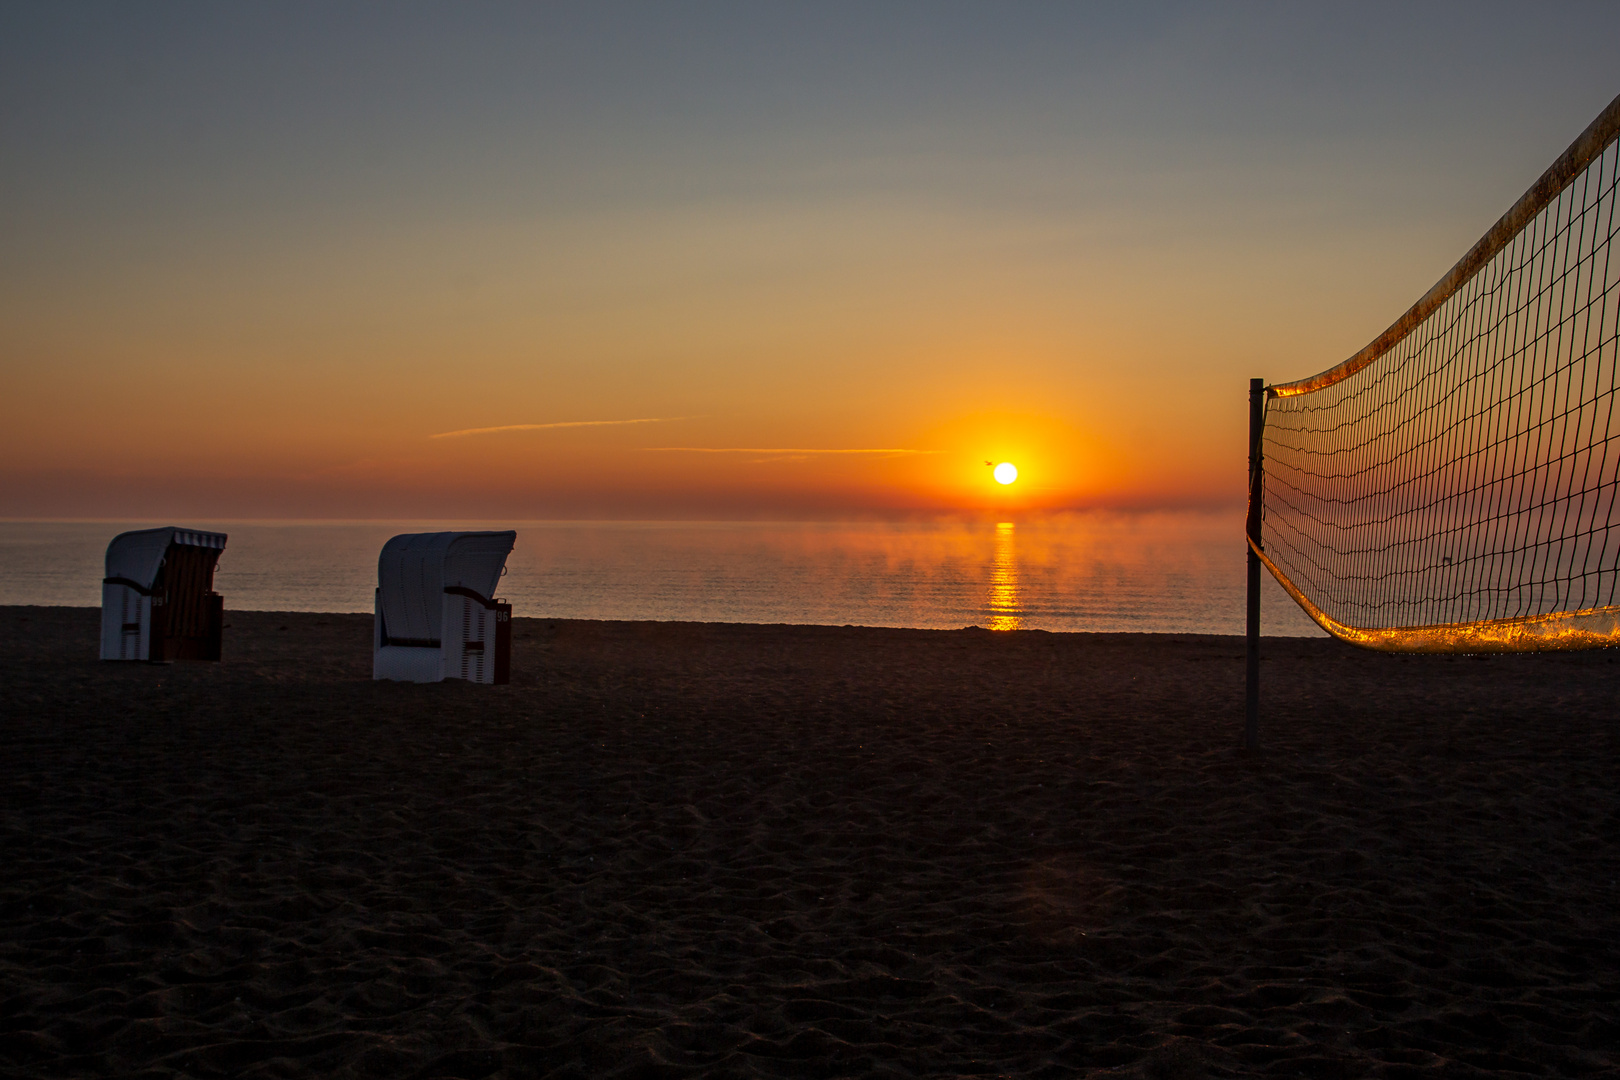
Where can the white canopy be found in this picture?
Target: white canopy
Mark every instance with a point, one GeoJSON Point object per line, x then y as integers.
{"type": "Point", "coordinates": [137, 556]}
{"type": "Point", "coordinates": [415, 569]}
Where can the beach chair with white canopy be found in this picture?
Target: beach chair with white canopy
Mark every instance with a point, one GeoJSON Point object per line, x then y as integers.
{"type": "Point", "coordinates": [437, 616]}
{"type": "Point", "coordinates": [158, 601]}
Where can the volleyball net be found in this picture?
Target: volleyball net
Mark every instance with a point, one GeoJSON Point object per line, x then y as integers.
{"type": "Point", "coordinates": [1452, 487]}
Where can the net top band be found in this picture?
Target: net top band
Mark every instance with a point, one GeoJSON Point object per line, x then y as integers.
{"type": "Point", "coordinates": [1582, 152]}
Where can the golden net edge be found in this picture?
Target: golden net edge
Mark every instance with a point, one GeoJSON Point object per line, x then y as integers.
{"type": "Point", "coordinates": [1564, 631]}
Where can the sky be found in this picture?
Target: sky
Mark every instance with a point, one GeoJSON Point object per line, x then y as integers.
{"type": "Point", "coordinates": [693, 260]}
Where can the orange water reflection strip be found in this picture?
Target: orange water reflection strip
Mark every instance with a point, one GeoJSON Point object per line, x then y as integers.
{"type": "Point", "coordinates": [1006, 613]}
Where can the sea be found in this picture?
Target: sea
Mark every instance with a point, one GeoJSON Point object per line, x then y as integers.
{"type": "Point", "coordinates": [1180, 572]}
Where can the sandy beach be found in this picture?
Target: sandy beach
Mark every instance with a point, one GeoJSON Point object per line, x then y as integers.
{"type": "Point", "coordinates": [722, 850]}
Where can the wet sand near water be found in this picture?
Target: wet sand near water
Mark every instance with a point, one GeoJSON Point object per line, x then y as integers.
{"type": "Point", "coordinates": [721, 850]}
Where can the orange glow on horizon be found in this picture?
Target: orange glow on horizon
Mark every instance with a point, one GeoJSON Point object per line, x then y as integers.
{"type": "Point", "coordinates": [1010, 461]}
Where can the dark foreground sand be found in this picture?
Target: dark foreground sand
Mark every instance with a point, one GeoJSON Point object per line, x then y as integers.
{"type": "Point", "coordinates": [792, 851]}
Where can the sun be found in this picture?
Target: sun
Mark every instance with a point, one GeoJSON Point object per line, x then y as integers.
{"type": "Point", "coordinates": [1006, 472]}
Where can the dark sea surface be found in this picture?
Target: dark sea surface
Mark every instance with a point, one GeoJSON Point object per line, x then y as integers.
{"type": "Point", "coordinates": [1160, 573]}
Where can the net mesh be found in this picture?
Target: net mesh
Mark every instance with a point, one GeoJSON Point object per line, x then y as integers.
{"type": "Point", "coordinates": [1468, 473]}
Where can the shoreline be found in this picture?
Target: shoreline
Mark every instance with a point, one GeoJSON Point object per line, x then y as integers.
{"type": "Point", "coordinates": [757, 850]}
{"type": "Point", "coordinates": [516, 618]}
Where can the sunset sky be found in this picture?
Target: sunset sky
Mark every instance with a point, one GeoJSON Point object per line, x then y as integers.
{"type": "Point", "coordinates": [741, 260]}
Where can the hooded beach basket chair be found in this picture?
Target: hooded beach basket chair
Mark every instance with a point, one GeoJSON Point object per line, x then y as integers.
{"type": "Point", "coordinates": [437, 616]}
{"type": "Point", "coordinates": [158, 601]}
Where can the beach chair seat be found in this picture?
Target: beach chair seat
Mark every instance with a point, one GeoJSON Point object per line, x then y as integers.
{"type": "Point", "coordinates": [436, 615]}
{"type": "Point", "coordinates": [157, 600]}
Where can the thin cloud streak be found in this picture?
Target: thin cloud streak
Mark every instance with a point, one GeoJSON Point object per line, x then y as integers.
{"type": "Point", "coordinates": [778, 450]}
{"type": "Point", "coordinates": [559, 424]}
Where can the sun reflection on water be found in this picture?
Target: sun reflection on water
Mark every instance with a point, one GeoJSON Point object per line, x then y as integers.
{"type": "Point", "coordinates": [1006, 613]}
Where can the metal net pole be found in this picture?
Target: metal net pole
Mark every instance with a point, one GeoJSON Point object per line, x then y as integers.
{"type": "Point", "coordinates": [1257, 419]}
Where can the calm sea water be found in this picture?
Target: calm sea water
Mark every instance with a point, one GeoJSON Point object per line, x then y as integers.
{"type": "Point", "coordinates": [1170, 573]}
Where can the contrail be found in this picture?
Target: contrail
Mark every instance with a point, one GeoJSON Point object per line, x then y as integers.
{"type": "Point", "coordinates": [559, 424]}
{"type": "Point", "coordinates": [780, 450]}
